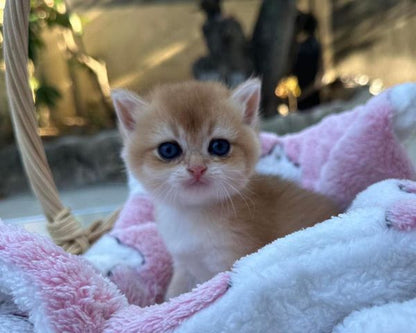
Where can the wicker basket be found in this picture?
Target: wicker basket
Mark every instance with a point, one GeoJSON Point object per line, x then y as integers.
{"type": "Point", "coordinates": [64, 229]}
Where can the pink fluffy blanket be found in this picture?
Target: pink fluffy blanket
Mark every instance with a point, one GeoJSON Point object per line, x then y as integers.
{"type": "Point", "coordinates": [44, 289]}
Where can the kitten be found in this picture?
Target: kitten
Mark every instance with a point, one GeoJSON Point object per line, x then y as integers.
{"type": "Point", "coordinates": [194, 147]}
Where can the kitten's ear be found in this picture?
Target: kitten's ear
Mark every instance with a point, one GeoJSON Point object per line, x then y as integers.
{"type": "Point", "coordinates": [248, 95]}
{"type": "Point", "coordinates": [127, 105]}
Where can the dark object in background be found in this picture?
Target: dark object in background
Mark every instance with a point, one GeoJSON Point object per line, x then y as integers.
{"type": "Point", "coordinates": [228, 58]}
{"type": "Point", "coordinates": [308, 60]}
{"type": "Point", "coordinates": [272, 48]}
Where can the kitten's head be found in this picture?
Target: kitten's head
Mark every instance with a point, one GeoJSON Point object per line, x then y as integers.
{"type": "Point", "coordinates": [191, 143]}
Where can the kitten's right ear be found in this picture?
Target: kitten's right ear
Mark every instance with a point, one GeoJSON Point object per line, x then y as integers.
{"type": "Point", "coordinates": [247, 95]}
{"type": "Point", "coordinates": [127, 104]}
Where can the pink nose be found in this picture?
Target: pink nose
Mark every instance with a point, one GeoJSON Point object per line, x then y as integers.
{"type": "Point", "coordinates": [197, 170]}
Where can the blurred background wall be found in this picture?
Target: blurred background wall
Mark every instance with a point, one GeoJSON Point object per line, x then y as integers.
{"type": "Point", "coordinates": [141, 43]}
{"type": "Point", "coordinates": [86, 47]}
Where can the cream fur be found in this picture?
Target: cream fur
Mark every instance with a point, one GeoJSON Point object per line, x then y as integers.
{"type": "Point", "coordinates": [232, 211]}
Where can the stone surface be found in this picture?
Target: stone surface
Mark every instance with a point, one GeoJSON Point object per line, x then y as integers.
{"type": "Point", "coordinates": [297, 121]}
{"type": "Point", "coordinates": [75, 161]}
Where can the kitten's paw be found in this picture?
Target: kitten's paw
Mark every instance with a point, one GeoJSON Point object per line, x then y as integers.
{"type": "Point", "coordinates": [181, 283]}
{"type": "Point", "coordinates": [174, 290]}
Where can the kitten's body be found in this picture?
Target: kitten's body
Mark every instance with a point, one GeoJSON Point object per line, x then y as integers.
{"type": "Point", "coordinates": [210, 239]}
{"type": "Point", "coordinates": [211, 209]}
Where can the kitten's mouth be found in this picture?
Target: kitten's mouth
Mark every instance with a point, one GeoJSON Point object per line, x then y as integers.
{"type": "Point", "coordinates": [196, 183]}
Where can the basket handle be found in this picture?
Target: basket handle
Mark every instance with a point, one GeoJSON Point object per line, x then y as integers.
{"type": "Point", "coordinates": [65, 230]}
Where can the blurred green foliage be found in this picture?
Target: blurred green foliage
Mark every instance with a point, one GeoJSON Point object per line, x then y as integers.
{"type": "Point", "coordinates": [45, 14]}
{"type": "Point", "coordinates": [46, 95]}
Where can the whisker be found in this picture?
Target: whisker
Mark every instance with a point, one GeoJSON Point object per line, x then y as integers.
{"type": "Point", "coordinates": [247, 200]}
{"type": "Point", "coordinates": [228, 197]}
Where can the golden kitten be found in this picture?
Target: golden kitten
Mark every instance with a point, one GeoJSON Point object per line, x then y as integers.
{"type": "Point", "coordinates": [194, 147]}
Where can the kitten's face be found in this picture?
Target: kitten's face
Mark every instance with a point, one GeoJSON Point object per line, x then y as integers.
{"type": "Point", "coordinates": [192, 143]}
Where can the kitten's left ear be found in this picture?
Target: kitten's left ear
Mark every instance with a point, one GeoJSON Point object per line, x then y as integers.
{"type": "Point", "coordinates": [248, 95]}
{"type": "Point", "coordinates": [127, 104]}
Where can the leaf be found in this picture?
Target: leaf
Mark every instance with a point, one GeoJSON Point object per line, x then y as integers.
{"type": "Point", "coordinates": [47, 95]}
{"type": "Point", "coordinates": [58, 19]}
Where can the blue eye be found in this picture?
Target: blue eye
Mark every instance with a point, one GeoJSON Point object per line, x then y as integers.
{"type": "Point", "coordinates": [169, 150]}
{"type": "Point", "coordinates": [219, 147]}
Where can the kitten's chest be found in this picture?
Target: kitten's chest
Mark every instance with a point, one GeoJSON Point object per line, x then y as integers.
{"type": "Point", "coordinates": [201, 241]}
